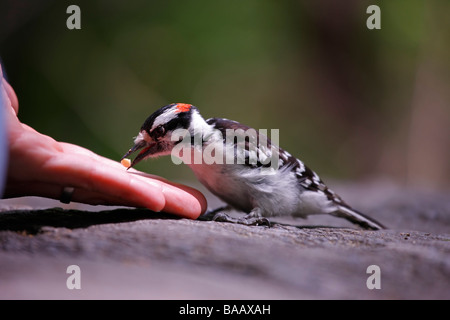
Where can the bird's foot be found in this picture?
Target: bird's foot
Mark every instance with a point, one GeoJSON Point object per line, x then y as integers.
{"type": "Point", "coordinates": [210, 215]}
{"type": "Point", "coordinates": [254, 218]}
{"type": "Point", "coordinates": [247, 220]}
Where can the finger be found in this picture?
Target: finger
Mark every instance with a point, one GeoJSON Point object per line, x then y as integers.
{"type": "Point", "coordinates": [180, 199]}
{"type": "Point", "coordinates": [184, 201]}
{"type": "Point", "coordinates": [11, 95]}
{"type": "Point", "coordinates": [54, 191]}
{"type": "Point", "coordinates": [90, 174]}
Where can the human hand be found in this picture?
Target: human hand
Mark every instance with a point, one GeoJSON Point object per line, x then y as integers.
{"type": "Point", "coordinates": [41, 166]}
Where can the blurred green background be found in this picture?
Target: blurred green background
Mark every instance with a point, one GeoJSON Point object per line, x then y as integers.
{"type": "Point", "coordinates": [353, 103]}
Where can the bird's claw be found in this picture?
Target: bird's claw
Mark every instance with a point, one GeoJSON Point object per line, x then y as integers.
{"type": "Point", "coordinates": [247, 220]}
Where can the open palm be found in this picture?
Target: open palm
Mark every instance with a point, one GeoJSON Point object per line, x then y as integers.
{"type": "Point", "coordinates": [41, 166]}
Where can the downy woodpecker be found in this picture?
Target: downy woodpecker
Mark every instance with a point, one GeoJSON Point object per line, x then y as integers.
{"type": "Point", "coordinates": [251, 185]}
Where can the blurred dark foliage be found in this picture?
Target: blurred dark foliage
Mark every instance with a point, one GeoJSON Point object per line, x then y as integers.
{"type": "Point", "coordinates": [353, 103]}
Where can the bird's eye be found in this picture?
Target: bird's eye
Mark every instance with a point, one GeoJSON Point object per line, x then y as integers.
{"type": "Point", "coordinates": [158, 132]}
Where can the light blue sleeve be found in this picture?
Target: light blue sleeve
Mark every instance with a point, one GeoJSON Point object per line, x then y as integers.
{"type": "Point", "coordinates": [3, 146]}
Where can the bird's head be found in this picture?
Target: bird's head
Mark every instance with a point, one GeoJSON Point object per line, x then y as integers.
{"type": "Point", "coordinates": [155, 137]}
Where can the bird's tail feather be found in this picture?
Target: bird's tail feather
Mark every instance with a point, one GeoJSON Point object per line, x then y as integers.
{"type": "Point", "coordinates": [358, 218]}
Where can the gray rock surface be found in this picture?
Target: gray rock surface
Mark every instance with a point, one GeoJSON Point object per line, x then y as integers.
{"type": "Point", "coordinates": [137, 254]}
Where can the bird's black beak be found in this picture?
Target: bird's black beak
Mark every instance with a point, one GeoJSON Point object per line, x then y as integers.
{"type": "Point", "coordinates": [147, 149]}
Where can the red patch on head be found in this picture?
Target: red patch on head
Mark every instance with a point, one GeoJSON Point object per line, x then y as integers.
{"type": "Point", "coordinates": [183, 107]}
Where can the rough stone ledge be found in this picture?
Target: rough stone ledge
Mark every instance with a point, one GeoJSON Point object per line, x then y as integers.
{"type": "Point", "coordinates": [136, 253]}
